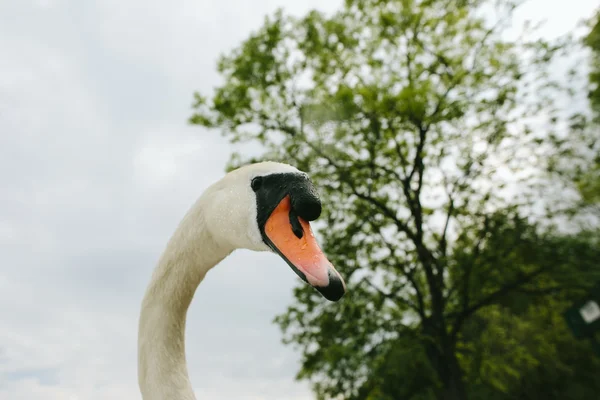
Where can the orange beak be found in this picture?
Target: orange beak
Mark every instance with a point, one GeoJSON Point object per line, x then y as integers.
{"type": "Point", "coordinates": [303, 254]}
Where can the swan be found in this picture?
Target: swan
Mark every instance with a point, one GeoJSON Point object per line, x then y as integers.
{"type": "Point", "coordinates": [265, 206]}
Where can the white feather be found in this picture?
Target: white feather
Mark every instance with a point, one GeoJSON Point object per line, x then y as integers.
{"type": "Point", "coordinates": [222, 219]}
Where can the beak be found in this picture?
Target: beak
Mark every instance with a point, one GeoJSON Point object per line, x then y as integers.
{"type": "Point", "coordinates": [302, 254]}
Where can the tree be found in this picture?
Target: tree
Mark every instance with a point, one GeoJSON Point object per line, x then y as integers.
{"type": "Point", "coordinates": [577, 156]}
{"type": "Point", "coordinates": [589, 183]}
{"type": "Point", "coordinates": [425, 129]}
{"type": "Point", "coordinates": [520, 348]}
{"type": "Point", "coordinates": [592, 40]}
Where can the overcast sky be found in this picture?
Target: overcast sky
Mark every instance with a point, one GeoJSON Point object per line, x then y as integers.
{"type": "Point", "coordinates": [98, 165]}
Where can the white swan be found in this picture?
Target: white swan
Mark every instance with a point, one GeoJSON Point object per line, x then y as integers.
{"type": "Point", "coordinates": [260, 207]}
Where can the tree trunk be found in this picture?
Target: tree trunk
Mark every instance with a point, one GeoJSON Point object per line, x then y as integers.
{"type": "Point", "coordinates": [452, 378]}
{"type": "Point", "coordinates": [442, 355]}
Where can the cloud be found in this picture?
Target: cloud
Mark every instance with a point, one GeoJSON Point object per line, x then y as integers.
{"type": "Point", "coordinates": [98, 166]}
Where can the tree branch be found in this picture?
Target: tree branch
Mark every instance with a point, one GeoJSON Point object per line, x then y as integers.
{"type": "Point", "coordinates": [487, 35]}
{"type": "Point", "coordinates": [466, 279]}
{"type": "Point", "coordinates": [449, 214]}
{"type": "Point", "coordinates": [493, 297]}
{"type": "Point", "coordinates": [392, 296]}
{"type": "Point", "coordinates": [342, 172]}
{"type": "Point", "coordinates": [409, 274]}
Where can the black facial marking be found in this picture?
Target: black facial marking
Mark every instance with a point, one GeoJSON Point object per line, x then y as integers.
{"type": "Point", "coordinates": [305, 203]}
{"type": "Point", "coordinates": [274, 187]}
{"type": "Point", "coordinates": [296, 226]}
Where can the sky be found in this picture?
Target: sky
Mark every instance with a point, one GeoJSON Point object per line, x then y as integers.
{"type": "Point", "coordinates": [97, 167]}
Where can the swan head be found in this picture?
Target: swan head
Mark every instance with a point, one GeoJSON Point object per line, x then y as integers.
{"type": "Point", "coordinates": [268, 206]}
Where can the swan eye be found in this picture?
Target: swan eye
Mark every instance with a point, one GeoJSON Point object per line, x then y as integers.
{"type": "Point", "coordinates": [256, 183]}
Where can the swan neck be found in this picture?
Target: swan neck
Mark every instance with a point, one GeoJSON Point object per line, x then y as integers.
{"type": "Point", "coordinates": [189, 255]}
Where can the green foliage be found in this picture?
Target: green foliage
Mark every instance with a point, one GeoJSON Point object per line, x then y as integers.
{"type": "Point", "coordinates": [578, 157]}
{"type": "Point", "coordinates": [529, 356]}
{"type": "Point", "coordinates": [589, 182]}
{"type": "Point", "coordinates": [592, 41]}
{"type": "Point", "coordinates": [425, 130]}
